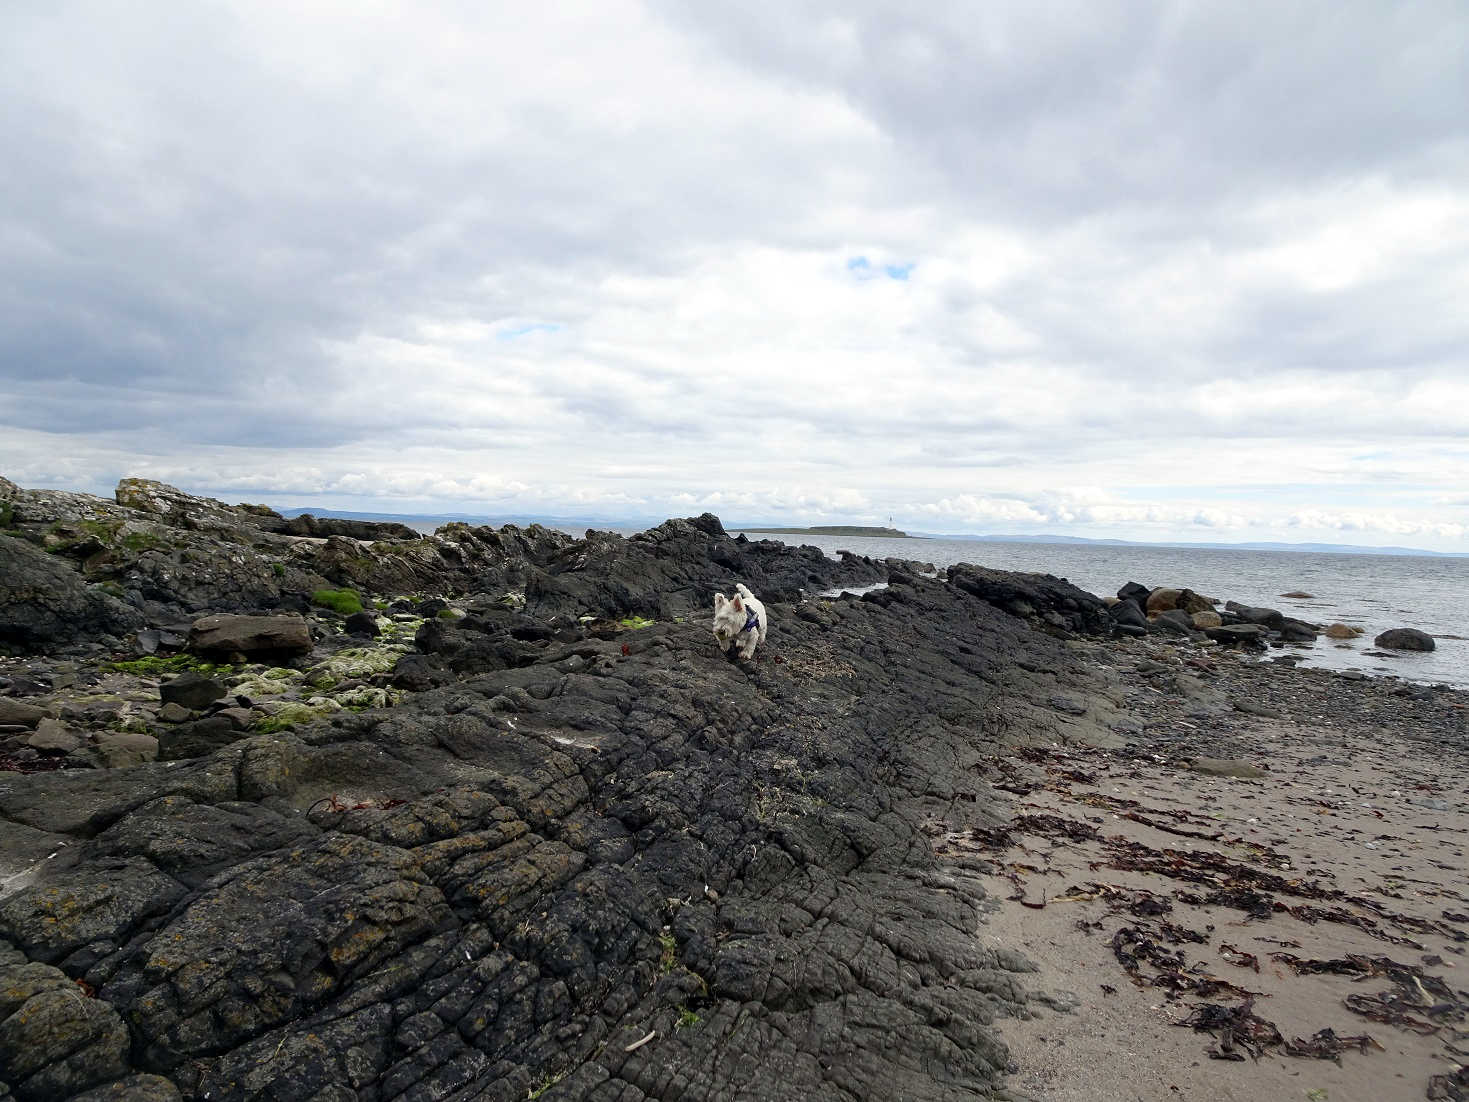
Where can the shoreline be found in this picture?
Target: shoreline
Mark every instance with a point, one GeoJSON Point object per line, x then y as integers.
{"type": "Point", "coordinates": [518, 820]}
{"type": "Point", "coordinates": [1197, 861]}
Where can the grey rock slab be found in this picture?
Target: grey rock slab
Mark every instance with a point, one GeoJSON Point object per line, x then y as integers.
{"type": "Point", "coordinates": [45, 603]}
{"type": "Point", "coordinates": [119, 750]}
{"type": "Point", "coordinates": [225, 634]}
{"type": "Point", "coordinates": [63, 911]}
{"type": "Point", "coordinates": [19, 714]}
{"type": "Point", "coordinates": [54, 737]}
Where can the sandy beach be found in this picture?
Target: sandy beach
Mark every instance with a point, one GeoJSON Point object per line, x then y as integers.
{"type": "Point", "coordinates": [1194, 928]}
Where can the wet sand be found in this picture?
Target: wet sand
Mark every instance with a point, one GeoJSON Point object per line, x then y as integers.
{"type": "Point", "coordinates": [1349, 848]}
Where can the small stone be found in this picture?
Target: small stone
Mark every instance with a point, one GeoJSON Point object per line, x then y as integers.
{"type": "Point", "coordinates": [1298, 595]}
{"type": "Point", "coordinates": [174, 713]}
{"type": "Point", "coordinates": [1226, 767]}
{"type": "Point", "coordinates": [1342, 631]}
{"type": "Point", "coordinates": [1250, 708]}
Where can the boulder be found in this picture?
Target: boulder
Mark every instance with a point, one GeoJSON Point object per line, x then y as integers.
{"type": "Point", "coordinates": [1206, 619]}
{"type": "Point", "coordinates": [362, 623]}
{"type": "Point", "coordinates": [1134, 591]}
{"type": "Point", "coordinates": [46, 604]}
{"type": "Point", "coordinates": [1405, 639]}
{"type": "Point", "coordinates": [419, 673]}
{"type": "Point", "coordinates": [1128, 612]}
{"type": "Point", "coordinates": [286, 634]}
{"type": "Point", "coordinates": [1297, 631]}
{"type": "Point", "coordinates": [1299, 595]}
{"type": "Point", "coordinates": [1192, 602]}
{"type": "Point", "coordinates": [1175, 620]}
{"type": "Point", "coordinates": [1265, 617]}
{"type": "Point", "coordinates": [1161, 600]}
{"type": "Point", "coordinates": [191, 690]}
{"type": "Point", "coordinates": [1342, 631]}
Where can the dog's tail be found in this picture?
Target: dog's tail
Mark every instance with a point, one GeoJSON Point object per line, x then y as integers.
{"type": "Point", "coordinates": [745, 593]}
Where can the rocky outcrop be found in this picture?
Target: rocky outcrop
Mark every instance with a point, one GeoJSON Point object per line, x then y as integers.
{"type": "Point", "coordinates": [512, 879]}
{"type": "Point", "coordinates": [1051, 600]}
{"type": "Point", "coordinates": [44, 604]}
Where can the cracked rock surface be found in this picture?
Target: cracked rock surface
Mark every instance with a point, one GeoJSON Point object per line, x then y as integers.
{"type": "Point", "coordinates": [612, 865]}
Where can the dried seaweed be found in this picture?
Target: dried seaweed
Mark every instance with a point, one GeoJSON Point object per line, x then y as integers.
{"type": "Point", "coordinates": [1326, 1045]}
{"type": "Point", "coordinates": [1054, 826]}
{"type": "Point", "coordinates": [1238, 957]}
{"type": "Point", "coordinates": [1237, 1027]}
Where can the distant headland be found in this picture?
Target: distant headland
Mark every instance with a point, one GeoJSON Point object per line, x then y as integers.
{"type": "Point", "coordinates": [835, 530]}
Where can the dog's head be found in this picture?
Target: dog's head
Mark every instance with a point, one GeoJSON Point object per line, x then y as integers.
{"type": "Point", "coordinates": [729, 617]}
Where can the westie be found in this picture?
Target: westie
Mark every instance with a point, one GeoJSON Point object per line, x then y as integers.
{"type": "Point", "coordinates": [739, 622]}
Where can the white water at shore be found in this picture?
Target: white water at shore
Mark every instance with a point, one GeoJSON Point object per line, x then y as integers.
{"type": "Point", "coordinates": [1373, 592]}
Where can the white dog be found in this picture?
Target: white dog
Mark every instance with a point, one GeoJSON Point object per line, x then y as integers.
{"type": "Point", "coordinates": [739, 622]}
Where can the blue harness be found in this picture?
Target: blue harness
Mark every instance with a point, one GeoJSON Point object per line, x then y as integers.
{"type": "Point", "coordinates": [752, 622]}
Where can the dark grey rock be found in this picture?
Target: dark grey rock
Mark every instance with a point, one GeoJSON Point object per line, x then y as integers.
{"type": "Point", "coordinates": [1265, 617]}
{"type": "Point", "coordinates": [1128, 612]}
{"type": "Point", "coordinates": [135, 1088]}
{"type": "Point", "coordinates": [1174, 620]}
{"type": "Point", "coordinates": [197, 739]}
{"type": "Point", "coordinates": [54, 1041]}
{"type": "Point", "coordinates": [1297, 631]}
{"type": "Point", "coordinates": [46, 604]}
{"type": "Point", "coordinates": [1405, 639]}
{"type": "Point", "coordinates": [362, 623]}
{"type": "Point", "coordinates": [1236, 635]}
{"type": "Point", "coordinates": [191, 690]}
{"type": "Point", "coordinates": [64, 911]}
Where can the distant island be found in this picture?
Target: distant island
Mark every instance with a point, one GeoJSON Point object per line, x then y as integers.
{"type": "Point", "coordinates": [835, 530]}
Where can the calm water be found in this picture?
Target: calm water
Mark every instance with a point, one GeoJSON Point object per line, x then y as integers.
{"type": "Point", "coordinates": [1374, 592]}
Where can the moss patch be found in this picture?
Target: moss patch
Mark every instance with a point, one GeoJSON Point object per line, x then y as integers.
{"type": "Point", "coordinates": [342, 601]}
{"type": "Point", "coordinates": [636, 623]}
{"type": "Point", "coordinates": [154, 666]}
{"type": "Point", "coordinates": [291, 716]}
{"type": "Point", "coordinates": [356, 662]}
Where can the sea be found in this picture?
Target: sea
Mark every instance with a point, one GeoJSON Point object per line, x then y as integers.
{"type": "Point", "coordinates": [1373, 592]}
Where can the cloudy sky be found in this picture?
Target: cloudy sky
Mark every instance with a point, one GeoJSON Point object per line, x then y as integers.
{"type": "Point", "coordinates": [1182, 270]}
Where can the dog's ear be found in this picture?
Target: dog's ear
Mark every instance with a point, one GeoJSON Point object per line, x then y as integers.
{"type": "Point", "coordinates": [719, 599]}
{"type": "Point", "coordinates": [738, 606]}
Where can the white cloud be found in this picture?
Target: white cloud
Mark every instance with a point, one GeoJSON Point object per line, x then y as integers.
{"type": "Point", "coordinates": [604, 259]}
